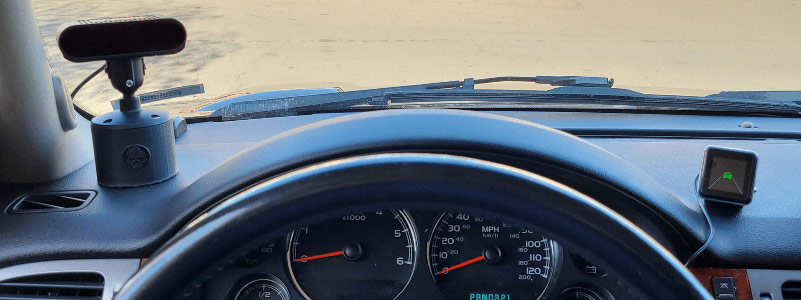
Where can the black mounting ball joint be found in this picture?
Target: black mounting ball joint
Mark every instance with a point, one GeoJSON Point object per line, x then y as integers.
{"type": "Point", "coordinates": [133, 146]}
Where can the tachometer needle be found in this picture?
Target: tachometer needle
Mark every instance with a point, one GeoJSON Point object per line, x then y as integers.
{"type": "Point", "coordinates": [313, 257]}
{"type": "Point", "coordinates": [472, 261]}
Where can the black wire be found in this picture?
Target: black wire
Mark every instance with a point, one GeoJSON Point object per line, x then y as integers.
{"type": "Point", "coordinates": [82, 112]}
{"type": "Point", "coordinates": [711, 229]}
{"type": "Point", "coordinates": [85, 80]}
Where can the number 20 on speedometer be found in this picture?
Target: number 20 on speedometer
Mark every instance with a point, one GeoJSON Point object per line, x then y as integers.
{"type": "Point", "coordinates": [474, 257]}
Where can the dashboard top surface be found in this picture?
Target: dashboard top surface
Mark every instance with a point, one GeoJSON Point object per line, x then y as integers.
{"type": "Point", "coordinates": [668, 148]}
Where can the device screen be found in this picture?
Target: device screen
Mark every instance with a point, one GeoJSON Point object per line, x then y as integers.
{"type": "Point", "coordinates": [728, 174]}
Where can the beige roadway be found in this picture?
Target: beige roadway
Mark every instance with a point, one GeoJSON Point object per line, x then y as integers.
{"type": "Point", "coordinates": [699, 46]}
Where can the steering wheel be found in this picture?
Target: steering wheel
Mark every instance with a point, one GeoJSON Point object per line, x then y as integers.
{"type": "Point", "coordinates": [409, 180]}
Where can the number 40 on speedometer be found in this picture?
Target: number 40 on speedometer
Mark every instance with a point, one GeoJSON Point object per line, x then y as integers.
{"type": "Point", "coordinates": [475, 257]}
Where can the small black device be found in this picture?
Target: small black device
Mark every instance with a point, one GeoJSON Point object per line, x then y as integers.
{"type": "Point", "coordinates": [133, 146]}
{"type": "Point", "coordinates": [728, 175]}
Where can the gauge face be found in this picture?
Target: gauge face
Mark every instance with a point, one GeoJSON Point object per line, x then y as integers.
{"type": "Point", "coordinates": [257, 256]}
{"type": "Point", "coordinates": [367, 255]}
{"type": "Point", "coordinates": [267, 287]}
{"type": "Point", "coordinates": [473, 257]}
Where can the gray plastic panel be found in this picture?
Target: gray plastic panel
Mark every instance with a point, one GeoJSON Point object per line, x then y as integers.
{"type": "Point", "coordinates": [36, 146]}
{"type": "Point", "coordinates": [115, 271]}
{"type": "Point", "coordinates": [770, 282]}
{"type": "Point", "coordinates": [763, 234]}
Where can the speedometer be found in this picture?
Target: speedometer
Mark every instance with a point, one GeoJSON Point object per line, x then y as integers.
{"type": "Point", "coordinates": [473, 257]}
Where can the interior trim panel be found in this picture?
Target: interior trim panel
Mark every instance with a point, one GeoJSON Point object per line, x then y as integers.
{"type": "Point", "coordinates": [115, 272]}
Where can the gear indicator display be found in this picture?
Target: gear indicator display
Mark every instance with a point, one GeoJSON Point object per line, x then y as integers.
{"type": "Point", "coordinates": [728, 175]}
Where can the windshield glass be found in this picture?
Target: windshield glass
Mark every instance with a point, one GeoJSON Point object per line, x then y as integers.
{"type": "Point", "coordinates": [696, 47]}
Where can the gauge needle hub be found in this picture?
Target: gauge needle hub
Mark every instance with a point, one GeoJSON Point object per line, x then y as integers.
{"type": "Point", "coordinates": [463, 264]}
{"type": "Point", "coordinates": [313, 257]}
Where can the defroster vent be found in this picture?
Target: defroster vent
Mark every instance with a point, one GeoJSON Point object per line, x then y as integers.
{"type": "Point", "coordinates": [51, 202]}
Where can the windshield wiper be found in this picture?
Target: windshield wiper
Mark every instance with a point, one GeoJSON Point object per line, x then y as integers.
{"type": "Point", "coordinates": [274, 107]}
{"type": "Point", "coordinates": [584, 81]}
{"type": "Point", "coordinates": [619, 99]}
{"type": "Point", "coordinates": [571, 91]}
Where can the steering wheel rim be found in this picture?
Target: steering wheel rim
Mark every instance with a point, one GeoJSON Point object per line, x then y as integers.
{"type": "Point", "coordinates": [404, 180]}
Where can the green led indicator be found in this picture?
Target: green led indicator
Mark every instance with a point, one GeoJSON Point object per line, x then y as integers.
{"type": "Point", "coordinates": [727, 175]}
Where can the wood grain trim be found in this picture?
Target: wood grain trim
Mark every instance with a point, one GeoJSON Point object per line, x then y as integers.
{"type": "Point", "coordinates": [740, 280]}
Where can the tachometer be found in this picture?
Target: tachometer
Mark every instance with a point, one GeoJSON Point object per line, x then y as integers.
{"type": "Point", "coordinates": [473, 257]}
{"type": "Point", "coordinates": [358, 256]}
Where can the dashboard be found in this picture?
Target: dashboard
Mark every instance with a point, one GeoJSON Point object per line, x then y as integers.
{"type": "Point", "coordinates": [400, 254]}
{"type": "Point", "coordinates": [643, 167]}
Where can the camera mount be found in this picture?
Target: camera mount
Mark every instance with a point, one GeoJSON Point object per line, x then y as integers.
{"type": "Point", "coordinates": [133, 146]}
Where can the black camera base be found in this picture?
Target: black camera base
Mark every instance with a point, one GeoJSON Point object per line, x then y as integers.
{"type": "Point", "coordinates": [134, 146]}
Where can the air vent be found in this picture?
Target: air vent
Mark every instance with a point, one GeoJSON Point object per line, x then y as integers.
{"type": "Point", "coordinates": [61, 286]}
{"type": "Point", "coordinates": [791, 290]}
{"type": "Point", "coordinates": [51, 202]}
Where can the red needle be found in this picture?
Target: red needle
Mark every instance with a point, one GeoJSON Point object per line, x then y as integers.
{"type": "Point", "coordinates": [313, 257]}
{"type": "Point", "coordinates": [472, 261]}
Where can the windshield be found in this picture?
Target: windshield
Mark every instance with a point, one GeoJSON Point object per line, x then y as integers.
{"type": "Point", "coordinates": [697, 47]}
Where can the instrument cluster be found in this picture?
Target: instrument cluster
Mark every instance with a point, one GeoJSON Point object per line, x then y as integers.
{"type": "Point", "coordinates": [397, 254]}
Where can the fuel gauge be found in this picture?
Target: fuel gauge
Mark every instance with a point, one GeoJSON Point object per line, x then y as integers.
{"type": "Point", "coordinates": [260, 287]}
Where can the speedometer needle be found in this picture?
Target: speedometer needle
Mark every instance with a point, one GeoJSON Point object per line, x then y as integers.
{"type": "Point", "coordinates": [469, 262]}
{"type": "Point", "coordinates": [313, 257]}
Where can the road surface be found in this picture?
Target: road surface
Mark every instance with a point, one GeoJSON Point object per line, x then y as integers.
{"type": "Point", "coordinates": [698, 46]}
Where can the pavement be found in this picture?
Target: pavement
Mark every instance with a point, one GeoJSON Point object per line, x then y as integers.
{"type": "Point", "coordinates": [691, 46]}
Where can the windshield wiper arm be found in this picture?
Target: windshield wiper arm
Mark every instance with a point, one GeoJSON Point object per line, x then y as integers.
{"type": "Point", "coordinates": [585, 81]}
{"type": "Point", "coordinates": [286, 106]}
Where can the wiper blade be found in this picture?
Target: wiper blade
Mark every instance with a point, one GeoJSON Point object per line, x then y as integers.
{"type": "Point", "coordinates": [291, 105]}
{"type": "Point", "coordinates": [611, 97]}
{"type": "Point", "coordinates": [571, 90]}
{"type": "Point", "coordinates": [794, 96]}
